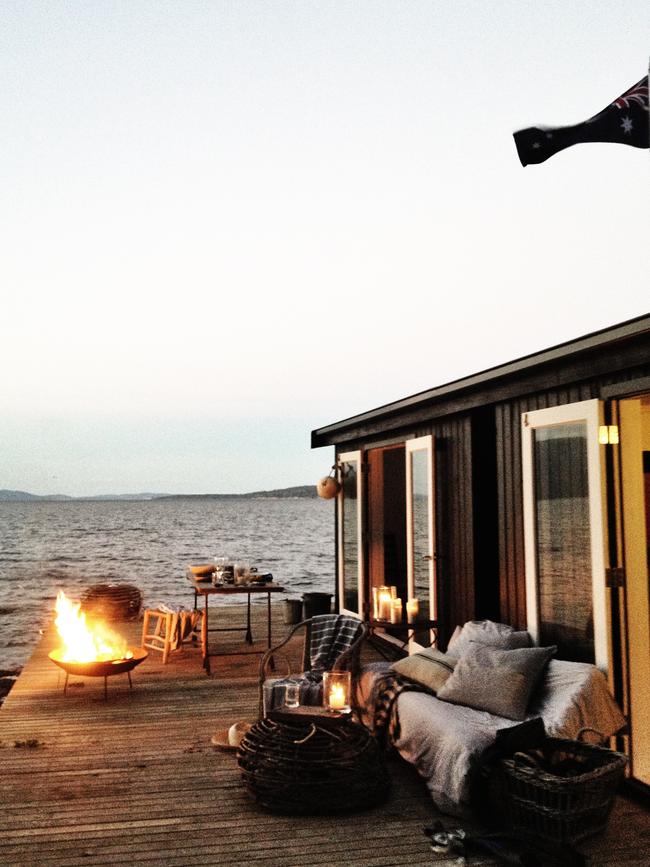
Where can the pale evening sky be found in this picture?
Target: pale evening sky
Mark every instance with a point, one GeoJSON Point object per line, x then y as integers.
{"type": "Point", "coordinates": [227, 223]}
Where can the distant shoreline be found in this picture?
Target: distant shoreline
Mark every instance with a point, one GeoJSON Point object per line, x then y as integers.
{"type": "Point", "coordinates": [296, 492]}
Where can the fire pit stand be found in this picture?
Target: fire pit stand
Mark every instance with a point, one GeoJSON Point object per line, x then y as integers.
{"type": "Point", "coordinates": [103, 669]}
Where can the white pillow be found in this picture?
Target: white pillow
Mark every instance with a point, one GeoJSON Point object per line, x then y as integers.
{"type": "Point", "coordinates": [487, 632]}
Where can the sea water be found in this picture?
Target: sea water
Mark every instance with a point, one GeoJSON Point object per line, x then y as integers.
{"type": "Point", "coordinates": [69, 545]}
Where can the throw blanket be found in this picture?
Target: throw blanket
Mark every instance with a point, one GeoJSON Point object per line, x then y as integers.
{"type": "Point", "coordinates": [387, 689]}
{"type": "Point", "coordinates": [185, 621]}
{"type": "Point", "coordinates": [330, 637]}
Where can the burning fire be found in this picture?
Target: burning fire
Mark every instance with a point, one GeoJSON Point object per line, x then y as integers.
{"type": "Point", "coordinates": [83, 641]}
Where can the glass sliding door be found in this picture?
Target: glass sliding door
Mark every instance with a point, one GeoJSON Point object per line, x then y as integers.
{"type": "Point", "coordinates": [564, 532]}
{"type": "Point", "coordinates": [350, 554]}
{"type": "Point", "coordinates": [420, 531]}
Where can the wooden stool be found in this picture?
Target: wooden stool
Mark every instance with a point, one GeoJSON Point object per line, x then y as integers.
{"type": "Point", "coordinates": [167, 630]}
{"type": "Point", "coordinates": [158, 628]}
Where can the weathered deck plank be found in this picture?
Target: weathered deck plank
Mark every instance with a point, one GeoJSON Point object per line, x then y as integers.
{"type": "Point", "coordinates": [134, 780]}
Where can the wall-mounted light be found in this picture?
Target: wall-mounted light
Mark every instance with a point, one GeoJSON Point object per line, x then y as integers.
{"type": "Point", "coordinates": [329, 486]}
{"type": "Point", "coordinates": [608, 434]}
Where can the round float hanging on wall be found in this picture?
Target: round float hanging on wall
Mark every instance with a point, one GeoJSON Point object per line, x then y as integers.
{"type": "Point", "coordinates": [328, 487]}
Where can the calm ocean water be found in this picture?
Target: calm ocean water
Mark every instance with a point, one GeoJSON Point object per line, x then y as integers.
{"type": "Point", "coordinates": [69, 545]}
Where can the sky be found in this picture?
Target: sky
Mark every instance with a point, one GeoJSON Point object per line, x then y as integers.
{"type": "Point", "coordinates": [226, 224]}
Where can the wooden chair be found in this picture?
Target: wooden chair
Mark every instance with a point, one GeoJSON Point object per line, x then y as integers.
{"type": "Point", "coordinates": [347, 660]}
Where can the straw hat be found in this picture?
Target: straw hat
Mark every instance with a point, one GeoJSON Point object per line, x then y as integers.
{"type": "Point", "coordinates": [229, 739]}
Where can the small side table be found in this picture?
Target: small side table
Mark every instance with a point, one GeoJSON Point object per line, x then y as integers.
{"type": "Point", "coordinates": [312, 764]}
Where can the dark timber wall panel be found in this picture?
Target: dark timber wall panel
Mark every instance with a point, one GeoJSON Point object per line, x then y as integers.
{"type": "Point", "coordinates": [454, 513]}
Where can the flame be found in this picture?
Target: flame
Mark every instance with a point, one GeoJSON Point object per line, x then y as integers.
{"type": "Point", "coordinates": [83, 641]}
{"type": "Point", "coordinates": [337, 696]}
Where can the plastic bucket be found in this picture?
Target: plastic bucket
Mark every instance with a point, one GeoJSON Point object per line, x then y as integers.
{"type": "Point", "coordinates": [292, 611]}
{"type": "Point", "coordinates": [316, 603]}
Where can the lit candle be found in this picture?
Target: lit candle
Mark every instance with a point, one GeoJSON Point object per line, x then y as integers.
{"type": "Point", "coordinates": [337, 697]}
{"type": "Point", "coordinates": [412, 610]}
{"type": "Point", "coordinates": [393, 592]}
{"type": "Point", "coordinates": [385, 604]}
{"type": "Point", "coordinates": [396, 611]}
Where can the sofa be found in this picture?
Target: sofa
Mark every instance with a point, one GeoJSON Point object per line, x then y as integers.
{"type": "Point", "coordinates": [445, 739]}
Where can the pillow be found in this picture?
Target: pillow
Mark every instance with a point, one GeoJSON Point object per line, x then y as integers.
{"type": "Point", "coordinates": [495, 680]}
{"type": "Point", "coordinates": [429, 668]}
{"type": "Point", "coordinates": [486, 632]}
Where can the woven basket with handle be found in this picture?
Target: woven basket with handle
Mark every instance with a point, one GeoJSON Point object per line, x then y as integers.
{"type": "Point", "coordinates": [564, 791]}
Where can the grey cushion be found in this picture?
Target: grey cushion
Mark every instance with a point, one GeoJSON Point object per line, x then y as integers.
{"type": "Point", "coordinates": [486, 632]}
{"type": "Point", "coordinates": [498, 681]}
{"type": "Point", "coordinates": [430, 668]}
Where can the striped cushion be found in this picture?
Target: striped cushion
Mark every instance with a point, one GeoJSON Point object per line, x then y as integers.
{"type": "Point", "coordinates": [430, 668]}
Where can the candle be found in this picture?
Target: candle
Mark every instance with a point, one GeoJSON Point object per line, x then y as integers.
{"type": "Point", "coordinates": [396, 611]}
{"type": "Point", "coordinates": [375, 603]}
{"type": "Point", "coordinates": [393, 592]}
{"type": "Point", "coordinates": [337, 697]}
{"type": "Point", "coordinates": [385, 604]}
{"type": "Point", "coordinates": [412, 610]}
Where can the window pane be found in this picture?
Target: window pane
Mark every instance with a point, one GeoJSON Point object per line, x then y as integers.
{"type": "Point", "coordinates": [421, 537]}
{"type": "Point", "coordinates": [421, 530]}
{"type": "Point", "coordinates": [563, 540]}
{"type": "Point", "coordinates": [350, 541]}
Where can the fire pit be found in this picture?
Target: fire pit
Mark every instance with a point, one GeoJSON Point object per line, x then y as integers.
{"type": "Point", "coordinates": [90, 648]}
{"type": "Point", "coordinates": [99, 668]}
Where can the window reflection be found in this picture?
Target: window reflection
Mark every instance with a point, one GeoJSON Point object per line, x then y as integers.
{"type": "Point", "coordinates": [563, 540]}
{"type": "Point", "coordinates": [350, 539]}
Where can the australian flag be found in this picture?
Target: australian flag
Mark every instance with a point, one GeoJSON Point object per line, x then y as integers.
{"type": "Point", "coordinates": [624, 121]}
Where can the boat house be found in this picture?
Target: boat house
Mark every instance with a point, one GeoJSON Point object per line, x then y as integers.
{"type": "Point", "coordinates": [519, 494]}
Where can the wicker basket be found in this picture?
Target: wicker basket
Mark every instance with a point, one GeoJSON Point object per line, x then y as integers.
{"type": "Point", "coordinates": [564, 791]}
{"type": "Point", "coordinates": [307, 767]}
{"type": "Point", "coordinates": [112, 601]}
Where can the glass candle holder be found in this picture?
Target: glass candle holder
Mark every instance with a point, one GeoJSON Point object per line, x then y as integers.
{"type": "Point", "coordinates": [337, 686]}
{"type": "Point", "coordinates": [379, 596]}
{"type": "Point", "coordinates": [412, 610]}
{"type": "Point", "coordinates": [384, 603]}
{"type": "Point", "coordinates": [292, 695]}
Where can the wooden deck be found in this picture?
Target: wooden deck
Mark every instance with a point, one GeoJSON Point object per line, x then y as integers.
{"type": "Point", "coordinates": [135, 781]}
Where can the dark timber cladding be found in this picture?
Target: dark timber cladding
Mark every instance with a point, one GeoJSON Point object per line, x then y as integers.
{"type": "Point", "coordinates": [476, 422]}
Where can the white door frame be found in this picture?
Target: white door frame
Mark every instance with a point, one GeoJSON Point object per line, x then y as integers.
{"type": "Point", "coordinates": [590, 412]}
{"type": "Point", "coordinates": [349, 457]}
{"type": "Point", "coordinates": [424, 443]}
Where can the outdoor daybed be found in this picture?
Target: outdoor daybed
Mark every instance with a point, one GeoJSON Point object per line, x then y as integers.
{"type": "Point", "coordinates": [445, 739]}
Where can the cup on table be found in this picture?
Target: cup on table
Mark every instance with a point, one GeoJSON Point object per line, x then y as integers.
{"type": "Point", "coordinates": [241, 571]}
{"type": "Point", "coordinates": [292, 695]}
{"type": "Point", "coordinates": [219, 571]}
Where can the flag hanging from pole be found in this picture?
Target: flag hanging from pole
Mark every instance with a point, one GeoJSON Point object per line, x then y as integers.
{"type": "Point", "coordinates": [624, 121]}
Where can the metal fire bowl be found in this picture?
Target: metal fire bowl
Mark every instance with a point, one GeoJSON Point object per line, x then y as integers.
{"type": "Point", "coordinates": [99, 669]}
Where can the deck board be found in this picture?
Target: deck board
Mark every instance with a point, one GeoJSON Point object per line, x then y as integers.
{"type": "Point", "coordinates": [135, 780]}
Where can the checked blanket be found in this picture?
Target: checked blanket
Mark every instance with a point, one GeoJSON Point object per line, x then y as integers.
{"type": "Point", "coordinates": [386, 691]}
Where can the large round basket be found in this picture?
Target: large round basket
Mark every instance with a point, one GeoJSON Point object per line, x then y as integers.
{"type": "Point", "coordinates": [311, 768]}
{"type": "Point", "coordinates": [112, 601]}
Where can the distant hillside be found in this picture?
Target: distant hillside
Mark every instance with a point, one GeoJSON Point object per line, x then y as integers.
{"type": "Point", "coordinates": [305, 491]}
{"type": "Point", "coordinates": [302, 491]}
{"type": "Point", "coordinates": [23, 497]}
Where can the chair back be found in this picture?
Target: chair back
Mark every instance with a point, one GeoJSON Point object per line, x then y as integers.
{"type": "Point", "coordinates": [331, 642]}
